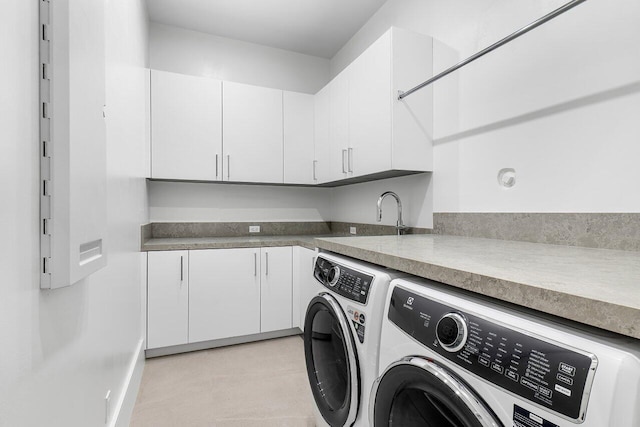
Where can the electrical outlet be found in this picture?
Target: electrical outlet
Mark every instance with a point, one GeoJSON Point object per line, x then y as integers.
{"type": "Point", "coordinates": [254, 229]}
{"type": "Point", "coordinates": [352, 230]}
{"type": "Point", "coordinates": [107, 406]}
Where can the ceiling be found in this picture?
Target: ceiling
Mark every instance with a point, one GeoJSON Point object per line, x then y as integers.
{"type": "Point", "coordinates": [313, 27]}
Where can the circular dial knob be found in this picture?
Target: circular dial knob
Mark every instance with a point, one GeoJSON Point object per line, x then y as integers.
{"type": "Point", "coordinates": [333, 276]}
{"type": "Point", "coordinates": [452, 332]}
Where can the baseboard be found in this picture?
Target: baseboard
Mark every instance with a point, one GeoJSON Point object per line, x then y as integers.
{"type": "Point", "coordinates": [203, 345]}
{"type": "Point", "coordinates": [124, 408]}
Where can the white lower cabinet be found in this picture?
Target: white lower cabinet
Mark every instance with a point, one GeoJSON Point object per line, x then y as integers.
{"type": "Point", "coordinates": [224, 293]}
{"type": "Point", "coordinates": [168, 299]}
{"type": "Point", "coordinates": [303, 283]}
{"type": "Point", "coordinates": [204, 295]}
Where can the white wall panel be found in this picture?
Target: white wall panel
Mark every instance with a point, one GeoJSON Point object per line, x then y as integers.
{"type": "Point", "coordinates": [64, 349]}
{"type": "Point", "coordinates": [190, 52]}
{"type": "Point", "coordinates": [357, 203]}
{"type": "Point", "coordinates": [183, 201]}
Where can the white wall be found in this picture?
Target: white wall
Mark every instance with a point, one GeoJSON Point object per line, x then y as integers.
{"type": "Point", "coordinates": [559, 104]}
{"type": "Point", "coordinates": [357, 203]}
{"type": "Point", "coordinates": [63, 349]}
{"type": "Point", "coordinates": [187, 202]}
{"type": "Point", "coordinates": [200, 54]}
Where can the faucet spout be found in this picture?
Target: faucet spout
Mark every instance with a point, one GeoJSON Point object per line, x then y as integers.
{"type": "Point", "coordinates": [399, 225]}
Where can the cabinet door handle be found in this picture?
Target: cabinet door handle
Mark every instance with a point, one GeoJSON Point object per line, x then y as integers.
{"type": "Point", "coordinates": [313, 264]}
{"type": "Point", "coordinates": [228, 166]}
{"type": "Point", "coordinates": [350, 160]}
{"type": "Point", "coordinates": [343, 168]}
{"type": "Point", "coordinates": [266, 264]}
{"type": "Point", "coordinates": [181, 269]}
{"type": "Point", "coordinates": [255, 264]}
{"type": "Point", "coordinates": [216, 165]}
{"type": "Point", "coordinates": [315, 162]}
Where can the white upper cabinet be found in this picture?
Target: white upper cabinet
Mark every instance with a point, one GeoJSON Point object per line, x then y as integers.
{"type": "Point", "coordinates": [370, 130]}
{"type": "Point", "coordinates": [339, 127]}
{"type": "Point", "coordinates": [355, 127]}
{"type": "Point", "coordinates": [370, 109]}
{"type": "Point", "coordinates": [252, 133]}
{"type": "Point", "coordinates": [298, 118]}
{"type": "Point", "coordinates": [412, 117]}
{"type": "Point", "coordinates": [186, 127]}
{"type": "Point", "coordinates": [322, 150]}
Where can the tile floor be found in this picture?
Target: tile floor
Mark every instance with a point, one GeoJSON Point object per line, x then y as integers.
{"type": "Point", "coordinates": [248, 385]}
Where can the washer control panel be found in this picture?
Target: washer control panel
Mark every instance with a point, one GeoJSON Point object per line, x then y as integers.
{"type": "Point", "coordinates": [543, 372]}
{"type": "Point", "coordinates": [342, 280]}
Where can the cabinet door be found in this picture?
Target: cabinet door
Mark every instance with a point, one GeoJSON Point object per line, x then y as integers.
{"type": "Point", "coordinates": [224, 297]}
{"type": "Point", "coordinates": [370, 109]}
{"type": "Point", "coordinates": [168, 298]}
{"type": "Point", "coordinates": [252, 132]}
{"type": "Point", "coordinates": [303, 283]}
{"type": "Point", "coordinates": [186, 127]}
{"type": "Point", "coordinates": [339, 126]}
{"type": "Point", "coordinates": [276, 286]}
{"type": "Point", "coordinates": [322, 148]}
{"type": "Point", "coordinates": [298, 138]}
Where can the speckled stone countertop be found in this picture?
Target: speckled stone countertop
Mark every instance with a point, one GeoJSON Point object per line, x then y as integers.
{"type": "Point", "coordinates": [184, 243]}
{"type": "Point", "coordinates": [597, 287]}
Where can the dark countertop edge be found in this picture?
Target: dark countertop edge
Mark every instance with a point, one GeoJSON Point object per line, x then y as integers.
{"type": "Point", "coordinates": [599, 314]}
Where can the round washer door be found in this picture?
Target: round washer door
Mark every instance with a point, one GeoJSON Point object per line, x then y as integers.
{"type": "Point", "coordinates": [332, 363]}
{"type": "Point", "coordinates": [416, 391]}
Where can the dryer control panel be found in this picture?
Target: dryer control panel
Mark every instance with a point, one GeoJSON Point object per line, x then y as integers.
{"type": "Point", "coordinates": [544, 372]}
{"type": "Point", "coordinates": [344, 281]}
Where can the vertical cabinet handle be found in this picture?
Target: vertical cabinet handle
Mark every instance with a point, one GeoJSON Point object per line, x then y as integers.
{"type": "Point", "coordinates": [181, 268]}
{"type": "Point", "coordinates": [266, 264]}
{"type": "Point", "coordinates": [350, 160]}
{"type": "Point", "coordinates": [216, 165]}
{"type": "Point", "coordinates": [343, 168]}
{"type": "Point", "coordinates": [255, 264]}
{"type": "Point", "coordinates": [228, 166]}
{"type": "Point", "coordinates": [315, 162]}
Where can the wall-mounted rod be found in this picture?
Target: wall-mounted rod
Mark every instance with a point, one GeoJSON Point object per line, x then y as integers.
{"type": "Point", "coordinates": [509, 38]}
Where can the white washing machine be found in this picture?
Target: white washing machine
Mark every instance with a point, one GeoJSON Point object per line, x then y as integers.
{"type": "Point", "coordinates": [453, 359]}
{"type": "Point", "coordinates": [341, 337]}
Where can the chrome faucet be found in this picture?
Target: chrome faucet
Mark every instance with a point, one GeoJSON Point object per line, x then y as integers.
{"type": "Point", "coordinates": [399, 225]}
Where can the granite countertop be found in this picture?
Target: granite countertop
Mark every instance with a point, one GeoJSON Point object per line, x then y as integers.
{"type": "Point", "coordinates": [184, 243]}
{"type": "Point", "coordinates": [597, 287]}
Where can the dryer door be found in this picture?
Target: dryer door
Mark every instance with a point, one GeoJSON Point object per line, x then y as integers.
{"type": "Point", "coordinates": [416, 391]}
{"type": "Point", "coordinates": [332, 362]}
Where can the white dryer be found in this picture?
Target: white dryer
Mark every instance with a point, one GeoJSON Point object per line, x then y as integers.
{"type": "Point", "coordinates": [341, 337]}
{"type": "Point", "coordinates": [449, 358]}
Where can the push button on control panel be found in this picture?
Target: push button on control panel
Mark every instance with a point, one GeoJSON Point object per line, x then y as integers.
{"type": "Point", "coordinates": [497, 367]}
{"type": "Point", "coordinates": [567, 369]}
{"type": "Point", "coordinates": [512, 374]}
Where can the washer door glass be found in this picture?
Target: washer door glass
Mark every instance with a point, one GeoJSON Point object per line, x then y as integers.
{"type": "Point", "coordinates": [419, 392]}
{"type": "Point", "coordinates": [331, 361]}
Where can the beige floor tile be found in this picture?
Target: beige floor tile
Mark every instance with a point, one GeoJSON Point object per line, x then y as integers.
{"type": "Point", "coordinates": [255, 384]}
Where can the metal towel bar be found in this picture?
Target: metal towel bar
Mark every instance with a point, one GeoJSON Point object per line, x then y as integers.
{"type": "Point", "coordinates": [509, 38]}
